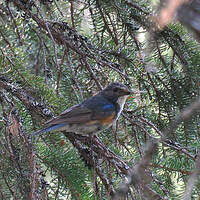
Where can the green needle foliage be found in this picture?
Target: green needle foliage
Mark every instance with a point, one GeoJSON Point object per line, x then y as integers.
{"type": "Point", "coordinates": [55, 54]}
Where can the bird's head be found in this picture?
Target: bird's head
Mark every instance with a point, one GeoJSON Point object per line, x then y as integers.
{"type": "Point", "coordinates": [115, 91]}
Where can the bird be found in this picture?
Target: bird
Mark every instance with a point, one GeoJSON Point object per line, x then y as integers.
{"type": "Point", "coordinates": [93, 114]}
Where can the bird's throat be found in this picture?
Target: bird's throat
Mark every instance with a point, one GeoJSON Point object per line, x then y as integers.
{"type": "Point", "coordinates": [121, 101]}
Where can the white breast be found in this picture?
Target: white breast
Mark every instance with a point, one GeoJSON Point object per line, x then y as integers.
{"type": "Point", "coordinates": [121, 101]}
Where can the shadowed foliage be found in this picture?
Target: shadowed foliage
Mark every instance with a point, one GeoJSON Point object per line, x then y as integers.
{"type": "Point", "coordinates": [53, 55]}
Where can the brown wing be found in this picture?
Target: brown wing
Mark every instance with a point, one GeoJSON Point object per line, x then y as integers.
{"type": "Point", "coordinates": [75, 114]}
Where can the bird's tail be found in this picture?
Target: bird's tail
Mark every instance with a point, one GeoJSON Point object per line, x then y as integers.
{"type": "Point", "coordinates": [48, 129]}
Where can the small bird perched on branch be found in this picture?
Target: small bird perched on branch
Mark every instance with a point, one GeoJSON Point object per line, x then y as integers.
{"type": "Point", "coordinates": [94, 114]}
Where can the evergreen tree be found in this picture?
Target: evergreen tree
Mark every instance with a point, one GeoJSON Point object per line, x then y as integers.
{"type": "Point", "coordinates": [55, 54]}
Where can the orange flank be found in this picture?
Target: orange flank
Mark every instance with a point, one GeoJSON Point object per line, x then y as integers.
{"type": "Point", "coordinates": [108, 120]}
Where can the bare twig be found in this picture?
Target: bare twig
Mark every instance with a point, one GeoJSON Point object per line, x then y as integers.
{"type": "Point", "coordinates": [167, 13]}
{"type": "Point", "coordinates": [138, 176]}
{"type": "Point", "coordinates": [59, 73]}
{"type": "Point", "coordinates": [72, 13]}
{"type": "Point", "coordinates": [15, 24]}
{"type": "Point", "coordinates": [192, 179]}
{"type": "Point", "coordinates": [190, 111]}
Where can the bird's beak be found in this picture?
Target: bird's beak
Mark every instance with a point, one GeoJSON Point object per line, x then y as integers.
{"type": "Point", "coordinates": [128, 92]}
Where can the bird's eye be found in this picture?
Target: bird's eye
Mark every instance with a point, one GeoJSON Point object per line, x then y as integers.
{"type": "Point", "coordinates": [115, 89]}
